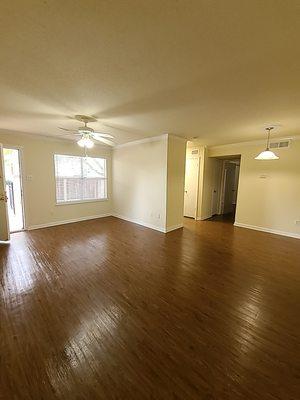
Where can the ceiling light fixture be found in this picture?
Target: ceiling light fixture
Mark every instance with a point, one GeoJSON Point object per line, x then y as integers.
{"type": "Point", "coordinates": [88, 135]}
{"type": "Point", "coordinates": [267, 154]}
{"type": "Point", "coordinates": [86, 142]}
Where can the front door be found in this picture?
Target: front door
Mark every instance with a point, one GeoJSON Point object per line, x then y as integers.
{"type": "Point", "coordinates": [4, 227]}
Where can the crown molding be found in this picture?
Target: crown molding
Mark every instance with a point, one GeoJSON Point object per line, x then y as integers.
{"type": "Point", "coordinates": [150, 139]}
{"type": "Point", "coordinates": [254, 142]}
{"type": "Point", "coordinates": [141, 141]}
{"type": "Point", "coordinates": [182, 139]}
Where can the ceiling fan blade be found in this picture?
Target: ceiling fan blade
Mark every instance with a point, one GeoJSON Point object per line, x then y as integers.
{"type": "Point", "coordinates": [69, 134]}
{"type": "Point", "coordinates": [100, 134]}
{"type": "Point", "coordinates": [106, 141]}
{"type": "Point", "coordinates": [67, 130]}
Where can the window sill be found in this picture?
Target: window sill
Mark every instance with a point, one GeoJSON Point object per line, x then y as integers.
{"type": "Point", "coordinates": [64, 203]}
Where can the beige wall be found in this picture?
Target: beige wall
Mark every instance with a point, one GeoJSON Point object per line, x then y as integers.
{"type": "Point", "coordinates": [175, 181]}
{"type": "Point", "coordinates": [39, 192]}
{"type": "Point", "coordinates": [269, 191]}
{"type": "Point", "coordinates": [139, 182]}
{"type": "Point", "coordinates": [149, 181]}
{"type": "Point", "coordinates": [142, 189]}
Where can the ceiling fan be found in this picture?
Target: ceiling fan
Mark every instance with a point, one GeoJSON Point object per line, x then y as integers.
{"type": "Point", "coordinates": [87, 134]}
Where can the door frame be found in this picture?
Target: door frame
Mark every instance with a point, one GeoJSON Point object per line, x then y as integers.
{"type": "Point", "coordinates": [197, 157]}
{"type": "Point", "coordinates": [223, 185]}
{"type": "Point", "coordinates": [222, 189]}
{"type": "Point", "coordinates": [3, 185]}
{"type": "Point", "coordinates": [21, 165]}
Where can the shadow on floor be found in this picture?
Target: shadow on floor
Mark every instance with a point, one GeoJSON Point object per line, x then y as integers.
{"type": "Point", "coordinates": [230, 217]}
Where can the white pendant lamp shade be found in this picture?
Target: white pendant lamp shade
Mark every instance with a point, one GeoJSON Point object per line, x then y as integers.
{"type": "Point", "coordinates": [85, 142]}
{"type": "Point", "coordinates": [267, 154]}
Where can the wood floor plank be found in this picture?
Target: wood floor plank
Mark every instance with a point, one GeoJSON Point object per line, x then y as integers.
{"type": "Point", "coordinates": [106, 309]}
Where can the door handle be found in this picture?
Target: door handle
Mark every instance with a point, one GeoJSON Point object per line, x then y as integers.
{"type": "Point", "coordinates": [4, 198]}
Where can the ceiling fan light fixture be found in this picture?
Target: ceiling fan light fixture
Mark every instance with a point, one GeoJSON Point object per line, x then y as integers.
{"type": "Point", "coordinates": [267, 154]}
{"type": "Point", "coordinates": [87, 135]}
{"type": "Point", "coordinates": [85, 142]}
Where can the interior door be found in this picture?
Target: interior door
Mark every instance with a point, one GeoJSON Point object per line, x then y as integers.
{"type": "Point", "coordinates": [191, 187]}
{"type": "Point", "coordinates": [229, 188]}
{"type": "Point", "coordinates": [236, 184]}
{"type": "Point", "coordinates": [4, 226]}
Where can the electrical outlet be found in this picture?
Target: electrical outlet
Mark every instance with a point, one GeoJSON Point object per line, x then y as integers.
{"type": "Point", "coordinates": [158, 216]}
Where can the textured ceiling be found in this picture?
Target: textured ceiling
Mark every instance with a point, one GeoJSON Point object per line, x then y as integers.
{"type": "Point", "coordinates": [217, 70]}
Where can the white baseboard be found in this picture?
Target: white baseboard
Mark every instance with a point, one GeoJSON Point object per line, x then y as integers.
{"type": "Point", "coordinates": [173, 228]}
{"type": "Point", "coordinates": [268, 230]}
{"type": "Point", "coordinates": [139, 222]}
{"type": "Point", "coordinates": [203, 218]}
{"type": "Point", "coordinates": [69, 221]}
{"type": "Point", "coordinates": [157, 228]}
{"type": "Point", "coordinates": [147, 225]}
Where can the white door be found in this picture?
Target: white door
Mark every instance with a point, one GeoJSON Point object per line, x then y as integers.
{"type": "Point", "coordinates": [4, 228]}
{"type": "Point", "coordinates": [191, 187]}
{"type": "Point", "coordinates": [228, 192]}
{"type": "Point", "coordinates": [12, 172]}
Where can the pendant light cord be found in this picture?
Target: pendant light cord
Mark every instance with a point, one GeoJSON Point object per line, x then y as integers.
{"type": "Point", "coordinates": [268, 139]}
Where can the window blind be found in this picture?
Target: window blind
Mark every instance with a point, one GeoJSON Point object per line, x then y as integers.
{"type": "Point", "coordinates": [80, 178]}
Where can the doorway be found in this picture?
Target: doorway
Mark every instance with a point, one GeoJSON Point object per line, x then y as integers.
{"type": "Point", "coordinates": [229, 188]}
{"type": "Point", "coordinates": [13, 189]}
{"type": "Point", "coordinates": [191, 186]}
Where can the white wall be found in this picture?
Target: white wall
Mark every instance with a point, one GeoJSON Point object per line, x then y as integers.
{"type": "Point", "coordinates": [143, 190]}
{"type": "Point", "coordinates": [269, 191]}
{"type": "Point", "coordinates": [175, 182]}
{"type": "Point", "coordinates": [39, 192]}
{"type": "Point", "coordinates": [139, 182]}
{"type": "Point", "coordinates": [148, 182]}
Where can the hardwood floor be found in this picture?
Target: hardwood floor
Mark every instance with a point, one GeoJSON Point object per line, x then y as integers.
{"type": "Point", "coordinates": [106, 309]}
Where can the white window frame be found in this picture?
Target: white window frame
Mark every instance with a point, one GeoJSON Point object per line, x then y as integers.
{"type": "Point", "coordinates": [70, 202]}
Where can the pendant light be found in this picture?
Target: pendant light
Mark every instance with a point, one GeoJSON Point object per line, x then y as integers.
{"type": "Point", "coordinates": [267, 154]}
{"type": "Point", "coordinates": [86, 142]}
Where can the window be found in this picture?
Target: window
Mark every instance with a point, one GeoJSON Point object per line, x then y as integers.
{"type": "Point", "coordinates": [80, 178]}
